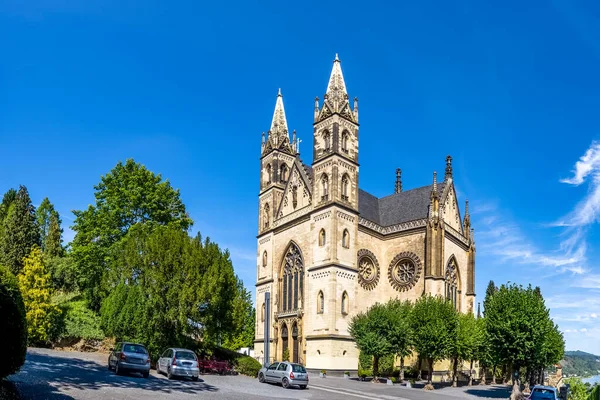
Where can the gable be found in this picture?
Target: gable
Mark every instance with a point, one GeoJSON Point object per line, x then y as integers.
{"type": "Point", "coordinates": [297, 193]}
{"type": "Point", "coordinates": [451, 212]}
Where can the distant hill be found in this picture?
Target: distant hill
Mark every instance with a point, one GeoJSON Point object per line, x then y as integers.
{"type": "Point", "coordinates": [580, 363]}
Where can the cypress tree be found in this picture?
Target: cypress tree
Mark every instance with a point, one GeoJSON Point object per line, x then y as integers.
{"type": "Point", "coordinates": [53, 241]}
{"type": "Point", "coordinates": [44, 214]}
{"type": "Point", "coordinates": [19, 231]}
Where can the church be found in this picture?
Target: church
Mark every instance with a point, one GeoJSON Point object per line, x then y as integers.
{"type": "Point", "coordinates": [328, 250]}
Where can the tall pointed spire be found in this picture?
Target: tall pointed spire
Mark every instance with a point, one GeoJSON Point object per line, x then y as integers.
{"type": "Point", "coordinates": [336, 97]}
{"type": "Point", "coordinates": [448, 167]}
{"type": "Point", "coordinates": [279, 123]}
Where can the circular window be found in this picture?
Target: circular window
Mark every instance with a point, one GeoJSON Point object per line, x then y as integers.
{"type": "Point", "coordinates": [404, 271]}
{"type": "Point", "coordinates": [368, 269]}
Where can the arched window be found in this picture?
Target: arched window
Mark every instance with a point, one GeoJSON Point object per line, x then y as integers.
{"type": "Point", "coordinates": [345, 184]}
{"type": "Point", "coordinates": [322, 237]}
{"type": "Point", "coordinates": [451, 282]}
{"type": "Point", "coordinates": [262, 313]}
{"type": "Point", "coordinates": [346, 239]}
{"type": "Point", "coordinates": [283, 173]}
{"type": "Point", "coordinates": [292, 283]}
{"type": "Point", "coordinates": [345, 303]}
{"type": "Point", "coordinates": [264, 260]}
{"type": "Point", "coordinates": [345, 136]}
{"type": "Point", "coordinates": [269, 174]}
{"type": "Point", "coordinates": [266, 215]}
{"type": "Point", "coordinates": [327, 141]}
{"type": "Point", "coordinates": [320, 303]}
{"type": "Point", "coordinates": [324, 187]}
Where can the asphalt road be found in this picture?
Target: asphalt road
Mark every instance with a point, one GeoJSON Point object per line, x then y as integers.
{"type": "Point", "coordinates": [55, 375]}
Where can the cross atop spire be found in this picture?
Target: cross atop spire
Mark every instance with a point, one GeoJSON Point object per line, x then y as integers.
{"type": "Point", "coordinates": [279, 123]}
{"type": "Point", "coordinates": [336, 97]}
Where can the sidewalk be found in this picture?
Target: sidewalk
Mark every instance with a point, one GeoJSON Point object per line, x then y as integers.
{"type": "Point", "coordinates": [368, 390]}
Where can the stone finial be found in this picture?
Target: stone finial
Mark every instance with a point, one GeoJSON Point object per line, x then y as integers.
{"type": "Point", "coordinates": [478, 310]}
{"type": "Point", "coordinates": [316, 108]}
{"type": "Point", "coordinates": [356, 108]}
{"type": "Point", "coordinates": [294, 143]}
{"type": "Point", "coordinates": [398, 188]}
{"type": "Point", "coordinates": [434, 189]}
{"type": "Point", "coordinates": [448, 167]}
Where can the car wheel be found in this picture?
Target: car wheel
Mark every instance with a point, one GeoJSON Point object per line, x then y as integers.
{"type": "Point", "coordinates": [261, 378]}
{"type": "Point", "coordinates": [195, 378]}
{"type": "Point", "coordinates": [118, 370]}
{"type": "Point", "coordinates": [285, 383]}
{"type": "Point", "coordinates": [169, 374]}
{"type": "Point", "coordinates": [303, 387]}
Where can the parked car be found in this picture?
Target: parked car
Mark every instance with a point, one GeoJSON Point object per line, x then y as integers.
{"type": "Point", "coordinates": [287, 373]}
{"type": "Point", "coordinates": [178, 362]}
{"type": "Point", "coordinates": [543, 393]}
{"type": "Point", "coordinates": [129, 357]}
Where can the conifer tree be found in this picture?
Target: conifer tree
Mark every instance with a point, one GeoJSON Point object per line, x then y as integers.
{"type": "Point", "coordinates": [44, 215]}
{"type": "Point", "coordinates": [53, 241]}
{"type": "Point", "coordinates": [19, 231]}
{"type": "Point", "coordinates": [34, 283]}
{"type": "Point", "coordinates": [7, 200]}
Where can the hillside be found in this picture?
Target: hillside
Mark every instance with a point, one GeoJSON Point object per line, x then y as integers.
{"type": "Point", "coordinates": [580, 363]}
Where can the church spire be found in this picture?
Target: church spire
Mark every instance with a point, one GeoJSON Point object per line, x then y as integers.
{"type": "Point", "coordinates": [448, 167]}
{"type": "Point", "coordinates": [467, 221]}
{"type": "Point", "coordinates": [278, 137]}
{"type": "Point", "coordinates": [279, 123]}
{"type": "Point", "coordinates": [336, 97]}
{"type": "Point", "coordinates": [398, 188]}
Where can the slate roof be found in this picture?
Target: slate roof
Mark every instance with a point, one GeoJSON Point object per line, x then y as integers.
{"type": "Point", "coordinates": [400, 207]}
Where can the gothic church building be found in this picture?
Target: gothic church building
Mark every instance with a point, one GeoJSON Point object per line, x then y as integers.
{"type": "Point", "coordinates": [328, 250]}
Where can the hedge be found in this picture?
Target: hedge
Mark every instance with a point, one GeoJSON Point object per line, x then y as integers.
{"type": "Point", "coordinates": [14, 324]}
{"type": "Point", "coordinates": [248, 366]}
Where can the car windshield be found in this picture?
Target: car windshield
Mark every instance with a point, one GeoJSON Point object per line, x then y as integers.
{"type": "Point", "coordinates": [540, 393]}
{"type": "Point", "coordinates": [185, 355]}
{"type": "Point", "coordinates": [298, 368]}
{"type": "Point", "coordinates": [134, 348]}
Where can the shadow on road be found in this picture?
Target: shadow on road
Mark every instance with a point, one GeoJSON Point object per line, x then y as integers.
{"type": "Point", "coordinates": [492, 392]}
{"type": "Point", "coordinates": [69, 374]}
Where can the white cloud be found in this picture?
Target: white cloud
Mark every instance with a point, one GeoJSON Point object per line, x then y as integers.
{"type": "Point", "coordinates": [589, 162]}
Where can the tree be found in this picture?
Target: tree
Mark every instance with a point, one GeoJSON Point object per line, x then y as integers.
{"type": "Point", "coordinates": [128, 195]}
{"type": "Point", "coordinates": [434, 323]}
{"type": "Point", "coordinates": [46, 217]}
{"type": "Point", "coordinates": [400, 334]}
{"type": "Point", "coordinates": [370, 332]}
{"type": "Point", "coordinates": [243, 319]}
{"type": "Point", "coordinates": [53, 243]}
{"type": "Point", "coordinates": [492, 358]}
{"type": "Point", "coordinates": [577, 389]}
{"type": "Point", "coordinates": [19, 231]}
{"type": "Point", "coordinates": [466, 344]}
{"type": "Point", "coordinates": [14, 324]}
{"type": "Point", "coordinates": [8, 198]}
{"type": "Point", "coordinates": [34, 284]}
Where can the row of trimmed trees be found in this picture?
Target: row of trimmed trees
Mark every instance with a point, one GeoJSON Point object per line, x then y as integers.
{"type": "Point", "coordinates": [515, 335]}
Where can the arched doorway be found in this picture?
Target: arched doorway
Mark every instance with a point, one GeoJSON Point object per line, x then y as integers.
{"type": "Point", "coordinates": [295, 356]}
{"type": "Point", "coordinates": [284, 339]}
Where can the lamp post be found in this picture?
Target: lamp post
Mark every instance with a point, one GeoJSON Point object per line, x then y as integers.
{"type": "Point", "coordinates": [267, 328]}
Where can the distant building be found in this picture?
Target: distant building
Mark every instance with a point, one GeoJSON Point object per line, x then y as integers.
{"type": "Point", "coordinates": [328, 250]}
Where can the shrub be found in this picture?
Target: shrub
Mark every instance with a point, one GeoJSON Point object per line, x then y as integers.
{"type": "Point", "coordinates": [79, 322]}
{"type": "Point", "coordinates": [324, 372]}
{"type": "Point", "coordinates": [393, 379]}
{"type": "Point", "coordinates": [386, 365]}
{"type": "Point", "coordinates": [14, 324]}
{"type": "Point", "coordinates": [363, 373]}
{"type": "Point", "coordinates": [248, 366]}
{"type": "Point", "coordinates": [286, 355]}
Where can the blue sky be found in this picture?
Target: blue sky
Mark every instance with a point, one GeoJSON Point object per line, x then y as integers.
{"type": "Point", "coordinates": [510, 89]}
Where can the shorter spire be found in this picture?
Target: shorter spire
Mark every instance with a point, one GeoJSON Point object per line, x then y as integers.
{"type": "Point", "coordinates": [316, 108]}
{"type": "Point", "coordinates": [398, 188]}
{"type": "Point", "coordinates": [294, 143]}
{"type": "Point", "coordinates": [434, 188]}
{"type": "Point", "coordinates": [478, 310]}
{"type": "Point", "coordinates": [448, 167]}
{"type": "Point", "coordinates": [467, 221]}
{"type": "Point", "coordinates": [279, 122]}
{"type": "Point", "coordinates": [355, 109]}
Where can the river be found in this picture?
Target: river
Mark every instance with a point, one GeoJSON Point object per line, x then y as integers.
{"type": "Point", "coordinates": [592, 380]}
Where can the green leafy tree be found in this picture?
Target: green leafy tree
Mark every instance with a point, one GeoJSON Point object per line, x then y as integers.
{"type": "Point", "coordinates": [492, 359]}
{"type": "Point", "coordinates": [243, 319]}
{"type": "Point", "coordinates": [8, 198]}
{"type": "Point", "coordinates": [467, 342]}
{"type": "Point", "coordinates": [49, 222]}
{"type": "Point", "coordinates": [434, 323]}
{"type": "Point", "coordinates": [128, 195]}
{"type": "Point", "coordinates": [400, 334]}
{"type": "Point", "coordinates": [370, 332]}
{"type": "Point", "coordinates": [19, 231]}
{"type": "Point", "coordinates": [14, 324]}
{"type": "Point", "coordinates": [577, 389]}
{"type": "Point", "coordinates": [34, 283]}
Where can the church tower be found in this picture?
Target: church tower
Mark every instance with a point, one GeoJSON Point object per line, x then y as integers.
{"type": "Point", "coordinates": [276, 161]}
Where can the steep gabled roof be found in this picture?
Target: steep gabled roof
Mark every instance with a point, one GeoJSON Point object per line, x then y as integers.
{"type": "Point", "coordinates": [397, 208]}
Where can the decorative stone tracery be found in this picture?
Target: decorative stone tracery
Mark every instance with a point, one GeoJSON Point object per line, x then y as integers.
{"type": "Point", "coordinates": [404, 271]}
{"type": "Point", "coordinates": [368, 269]}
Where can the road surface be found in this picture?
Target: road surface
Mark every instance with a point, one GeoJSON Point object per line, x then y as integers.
{"type": "Point", "coordinates": [56, 375]}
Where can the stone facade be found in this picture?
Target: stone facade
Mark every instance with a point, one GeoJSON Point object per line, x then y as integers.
{"type": "Point", "coordinates": [327, 250]}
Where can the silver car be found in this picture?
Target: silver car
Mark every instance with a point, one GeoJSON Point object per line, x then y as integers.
{"type": "Point", "coordinates": [129, 357]}
{"type": "Point", "coordinates": [178, 362]}
{"type": "Point", "coordinates": [287, 373]}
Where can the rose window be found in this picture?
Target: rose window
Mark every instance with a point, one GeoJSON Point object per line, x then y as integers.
{"type": "Point", "coordinates": [404, 271]}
